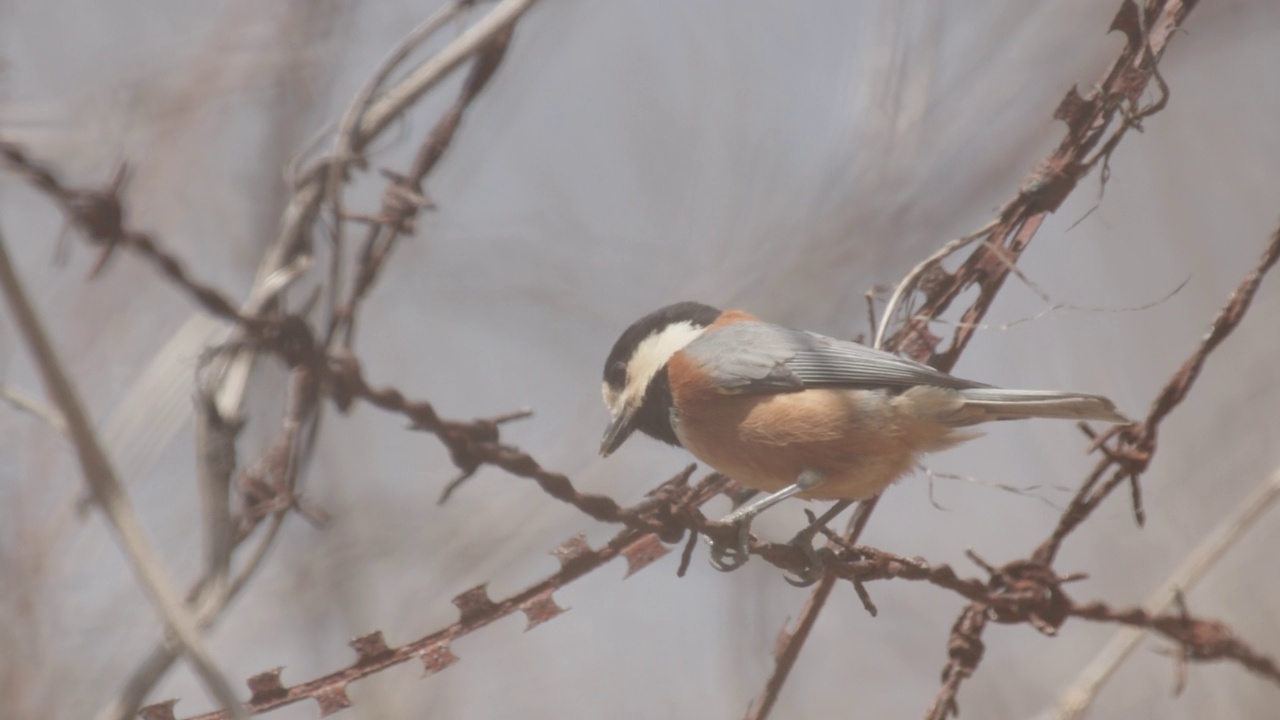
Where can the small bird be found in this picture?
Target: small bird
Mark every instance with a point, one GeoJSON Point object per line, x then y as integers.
{"type": "Point", "coordinates": [792, 412]}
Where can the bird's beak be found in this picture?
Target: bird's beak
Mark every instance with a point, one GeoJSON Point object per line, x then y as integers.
{"type": "Point", "coordinates": [619, 429]}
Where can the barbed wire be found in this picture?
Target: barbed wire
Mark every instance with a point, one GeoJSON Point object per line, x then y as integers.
{"type": "Point", "coordinates": [1026, 591]}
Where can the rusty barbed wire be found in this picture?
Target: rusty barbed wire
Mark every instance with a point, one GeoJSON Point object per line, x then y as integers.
{"type": "Point", "coordinates": [1022, 591]}
{"type": "Point", "coordinates": [405, 197]}
{"type": "Point", "coordinates": [1088, 119]}
{"type": "Point", "coordinates": [476, 442]}
{"type": "Point", "coordinates": [1196, 638]}
{"type": "Point", "coordinates": [1135, 445]}
{"type": "Point", "coordinates": [1125, 461]}
{"type": "Point", "coordinates": [266, 487]}
{"type": "Point", "coordinates": [665, 517]}
{"type": "Point", "coordinates": [476, 610]}
{"type": "Point", "coordinates": [100, 216]}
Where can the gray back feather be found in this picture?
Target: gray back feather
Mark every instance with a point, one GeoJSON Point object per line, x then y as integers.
{"type": "Point", "coordinates": [757, 357]}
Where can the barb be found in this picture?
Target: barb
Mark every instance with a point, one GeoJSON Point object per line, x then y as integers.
{"type": "Point", "coordinates": [345, 139]}
{"type": "Point", "coordinates": [1076, 699]}
{"type": "Point", "coordinates": [1004, 238]}
{"type": "Point", "coordinates": [405, 197]}
{"type": "Point", "coordinates": [476, 610]}
{"type": "Point", "coordinates": [1088, 119]}
{"type": "Point", "coordinates": [1197, 639]}
{"type": "Point", "coordinates": [1129, 457]}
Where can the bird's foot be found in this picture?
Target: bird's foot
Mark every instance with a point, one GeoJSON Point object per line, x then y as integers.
{"type": "Point", "coordinates": [729, 556]}
{"type": "Point", "coordinates": [814, 568]}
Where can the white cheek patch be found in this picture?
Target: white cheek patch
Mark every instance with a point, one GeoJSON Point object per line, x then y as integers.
{"type": "Point", "coordinates": [610, 397]}
{"type": "Point", "coordinates": [652, 353]}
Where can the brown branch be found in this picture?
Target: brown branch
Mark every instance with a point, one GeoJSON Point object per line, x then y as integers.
{"type": "Point", "coordinates": [788, 647]}
{"type": "Point", "coordinates": [790, 643]}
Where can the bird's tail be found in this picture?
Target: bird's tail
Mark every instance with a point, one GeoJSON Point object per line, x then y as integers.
{"type": "Point", "coordinates": [986, 404]}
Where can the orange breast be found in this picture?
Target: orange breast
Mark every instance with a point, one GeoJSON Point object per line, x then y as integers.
{"type": "Point", "coordinates": [861, 440]}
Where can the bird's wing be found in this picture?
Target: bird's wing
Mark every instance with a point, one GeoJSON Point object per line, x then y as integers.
{"type": "Point", "coordinates": [757, 357]}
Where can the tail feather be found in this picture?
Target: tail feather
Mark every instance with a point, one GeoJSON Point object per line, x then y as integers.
{"type": "Point", "coordinates": [998, 404]}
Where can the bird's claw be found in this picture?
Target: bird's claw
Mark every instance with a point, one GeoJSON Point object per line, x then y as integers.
{"type": "Point", "coordinates": [814, 568]}
{"type": "Point", "coordinates": [727, 558]}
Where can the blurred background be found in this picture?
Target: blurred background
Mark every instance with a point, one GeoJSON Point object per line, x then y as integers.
{"type": "Point", "coordinates": [783, 158]}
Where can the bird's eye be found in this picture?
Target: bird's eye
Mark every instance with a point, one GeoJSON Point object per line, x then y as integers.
{"type": "Point", "coordinates": [617, 375]}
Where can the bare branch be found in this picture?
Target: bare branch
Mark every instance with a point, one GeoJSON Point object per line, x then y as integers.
{"type": "Point", "coordinates": [109, 492]}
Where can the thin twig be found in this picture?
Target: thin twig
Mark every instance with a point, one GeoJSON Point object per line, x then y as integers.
{"type": "Point", "coordinates": [215, 440]}
{"type": "Point", "coordinates": [789, 645]}
{"type": "Point", "coordinates": [909, 281]}
{"type": "Point", "coordinates": [405, 198]}
{"type": "Point", "coordinates": [153, 667]}
{"type": "Point", "coordinates": [26, 403]}
{"type": "Point", "coordinates": [207, 598]}
{"type": "Point", "coordinates": [345, 139]}
{"type": "Point", "coordinates": [393, 102]}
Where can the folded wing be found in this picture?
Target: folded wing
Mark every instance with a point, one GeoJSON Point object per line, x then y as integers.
{"type": "Point", "coordinates": [756, 357]}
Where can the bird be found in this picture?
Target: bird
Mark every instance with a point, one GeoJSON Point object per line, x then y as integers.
{"type": "Point", "coordinates": [795, 413]}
